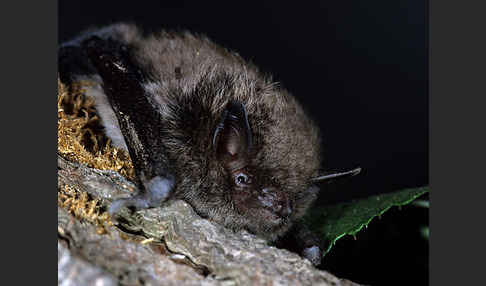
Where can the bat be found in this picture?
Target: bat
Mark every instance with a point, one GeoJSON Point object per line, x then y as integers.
{"type": "Point", "coordinates": [203, 125]}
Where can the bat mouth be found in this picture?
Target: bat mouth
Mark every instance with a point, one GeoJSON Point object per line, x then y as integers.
{"type": "Point", "coordinates": [273, 218]}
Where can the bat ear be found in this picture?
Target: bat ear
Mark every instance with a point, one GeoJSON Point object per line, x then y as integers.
{"type": "Point", "coordinates": [232, 138]}
{"type": "Point", "coordinates": [331, 176]}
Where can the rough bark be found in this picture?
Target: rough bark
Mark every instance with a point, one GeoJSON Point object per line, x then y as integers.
{"type": "Point", "coordinates": [184, 249]}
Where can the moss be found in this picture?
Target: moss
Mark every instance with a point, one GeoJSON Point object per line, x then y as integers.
{"type": "Point", "coordinates": [80, 136]}
{"type": "Point", "coordinates": [81, 139]}
{"type": "Point", "coordinates": [83, 207]}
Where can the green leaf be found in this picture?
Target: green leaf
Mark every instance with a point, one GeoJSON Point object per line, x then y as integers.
{"type": "Point", "coordinates": [335, 221]}
{"type": "Point", "coordinates": [421, 203]}
{"type": "Point", "coordinates": [425, 232]}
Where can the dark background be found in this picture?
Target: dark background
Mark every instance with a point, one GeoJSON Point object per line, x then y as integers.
{"type": "Point", "coordinates": [360, 68]}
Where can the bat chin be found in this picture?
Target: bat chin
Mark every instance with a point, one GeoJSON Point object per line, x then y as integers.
{"type": "Point", "coordinates": [274, 229]}
{"type": "Point", "coordinates": [272, 218]}
{"type": "Point", "coordinates": [274, 222]}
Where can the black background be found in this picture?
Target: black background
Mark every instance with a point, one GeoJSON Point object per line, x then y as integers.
{"type": "Point", "coordinates": [360, 68]}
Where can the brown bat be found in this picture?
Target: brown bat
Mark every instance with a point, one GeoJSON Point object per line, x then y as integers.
{"type": "Point", "coordinates": [202, 125]}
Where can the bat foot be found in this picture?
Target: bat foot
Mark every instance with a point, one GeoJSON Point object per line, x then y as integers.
{"type": "Point", "coordinates": [313, 254]}
{"type": "Point", "coordinates": [134, 203]}
{"type": "Point", "coordinates": [157, 190]}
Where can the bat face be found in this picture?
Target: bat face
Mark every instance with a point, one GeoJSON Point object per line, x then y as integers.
{"type": "Point", "coordinates": [253, 191]}
{"type": "Point", "coordinates": [247, 181]}
{"type": "Point", "coordinates": [270, 204]}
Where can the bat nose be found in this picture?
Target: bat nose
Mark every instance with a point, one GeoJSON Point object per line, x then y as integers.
{"type": "Point", "coordinates": [276, 201]}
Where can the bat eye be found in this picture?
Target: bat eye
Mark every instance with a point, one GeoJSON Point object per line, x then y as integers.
{"type": "Point", "coordinates": [241, 179]}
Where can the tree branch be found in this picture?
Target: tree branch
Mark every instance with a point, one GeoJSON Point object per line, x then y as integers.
{"type": "Point", "coordinates": [183, 247]}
